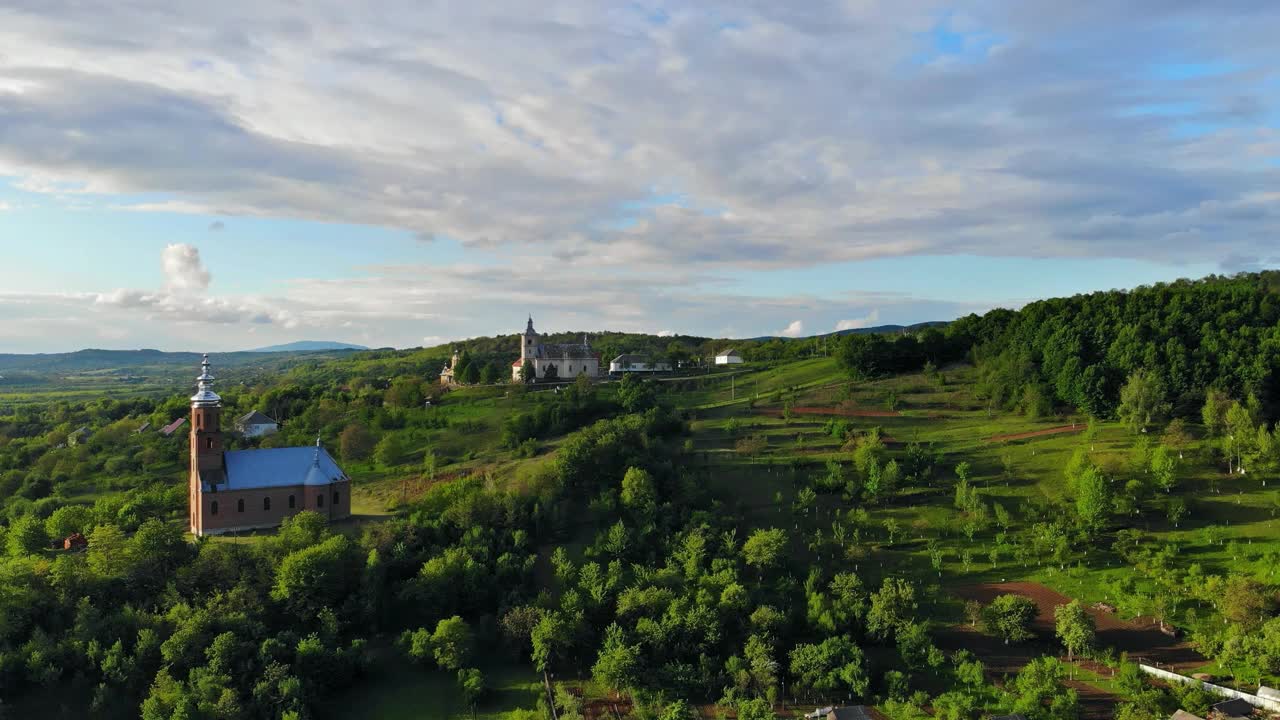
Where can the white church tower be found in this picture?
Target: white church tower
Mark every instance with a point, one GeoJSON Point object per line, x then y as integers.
{"type": "Point", "coordinates": [529, 346]}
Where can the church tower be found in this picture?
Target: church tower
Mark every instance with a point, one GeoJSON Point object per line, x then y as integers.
{"type": "Point", "coordinates": [529, 343]}
{"type": "Point", "coordinates": [206, 439]}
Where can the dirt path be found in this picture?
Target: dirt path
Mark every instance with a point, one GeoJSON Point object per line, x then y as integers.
{"type": "Point", "coordinates": [842, 412]}
{"type": "Point", "coordinates": [1060, 430]}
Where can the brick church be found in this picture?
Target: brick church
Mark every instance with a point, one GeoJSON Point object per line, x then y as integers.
{"type": "Point", "coordinates": [234, 490]}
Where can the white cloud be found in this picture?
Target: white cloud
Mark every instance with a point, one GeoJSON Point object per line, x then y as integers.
{"type": "Point", "coordinates": [795, 329]}
{"type": "Point", "coordinates": [666, 333]}
{"type": "Point", "coordinates": [183, 269]}
{"type": "Point", "coordinates": [840, 132]}
{"type": "Point", "coordinates": [868, 320]}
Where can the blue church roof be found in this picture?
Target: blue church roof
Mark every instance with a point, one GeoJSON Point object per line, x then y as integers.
{"type": "Point", "coordinates": [280, 467]}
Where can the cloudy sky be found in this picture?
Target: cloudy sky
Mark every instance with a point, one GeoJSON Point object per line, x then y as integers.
{"type": "Point", "coordinates": [226, 175]}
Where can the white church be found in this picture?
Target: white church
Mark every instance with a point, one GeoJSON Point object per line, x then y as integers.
{"type": "Point", "coordinates": [549, 362]}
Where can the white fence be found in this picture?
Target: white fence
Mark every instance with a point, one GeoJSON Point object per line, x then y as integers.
{"type": "Point", "coordinates": [1254, 700]}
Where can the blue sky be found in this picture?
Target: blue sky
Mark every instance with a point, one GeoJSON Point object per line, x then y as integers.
{"type": "Point", "coordinates": [701, 168]}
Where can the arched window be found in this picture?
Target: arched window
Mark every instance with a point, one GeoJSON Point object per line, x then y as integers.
{"type": "Point", "coordinates": [292, 503]}
{"type": "Point", "coordinates": [320, 500]}
{"type": "Point", "coordinates": [213, 509]}
{"type": "Point", "coordinates": [335, 497]}
{"type": "Point", "coordinates": [208, 443]}
{"type": "Point", "coordinates": [266, 503]}
{"type": "Point", "coordinates": [240, 505]}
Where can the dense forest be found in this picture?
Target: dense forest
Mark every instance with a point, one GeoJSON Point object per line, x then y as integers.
{"type": "Point", "coordinates": [1187, 337]}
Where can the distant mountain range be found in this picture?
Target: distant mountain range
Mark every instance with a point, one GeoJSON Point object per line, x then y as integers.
{"type": "Point", "coordinates": [155, 364]}
{"type": "Point", "coordinates": [308, 346]}
{"type": "Point", "coordinates": [878, 329]}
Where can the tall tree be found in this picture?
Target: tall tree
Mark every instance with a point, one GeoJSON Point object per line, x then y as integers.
{"type": "Point", "coordinates": [1075, 628]}
{"type": "Point", "coordinates": [1143, 401]}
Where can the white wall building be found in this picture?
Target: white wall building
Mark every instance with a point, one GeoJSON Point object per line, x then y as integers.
{"type": "Point", "coordinates": [629, 362]}
{"type": "Point", "coordinates": [728, 357]}
{"type": "Point", "coordinates": [554, 361]}
{"type": "Point", "coordinates": [255, 424]}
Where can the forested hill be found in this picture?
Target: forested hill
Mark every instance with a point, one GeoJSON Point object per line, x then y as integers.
{"type": "Point", "coordinates": [1179, 340]}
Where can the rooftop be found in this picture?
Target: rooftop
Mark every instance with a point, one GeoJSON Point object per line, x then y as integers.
{"type": "Point", "coordinates": [1234, 708]}
{"type": "Point", "coordinates": [256, 418]}
{"type": "Point", "coordinates": [280, 467]}
{"type": "Point", "coordinates": [567, 351]}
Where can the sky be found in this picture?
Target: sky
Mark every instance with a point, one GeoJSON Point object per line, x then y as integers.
{"type": "Point", "coordinates": [221, 176]}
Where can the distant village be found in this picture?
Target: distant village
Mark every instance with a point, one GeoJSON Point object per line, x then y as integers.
{"type": "Point", "coordinates": [559, 362]}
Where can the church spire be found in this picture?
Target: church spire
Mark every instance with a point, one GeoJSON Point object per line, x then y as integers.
{"type": "Point", "coordinates": [528, 329]}
{"type": "Point", "coordinates": [205, 396]}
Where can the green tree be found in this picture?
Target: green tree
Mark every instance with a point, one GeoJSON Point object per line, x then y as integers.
{"type": "Point", "coordinates": [472, 684]}
{"type": "Point", "coordinates": [318, 576]}
{"type": "Point", "coordinates": [452, 643]}
{"type": "Point", "coordinates": [833, 667]}
{"type": "Point", "coordinates": [429, 465]}
{"type": "Point", "coordinates": [638, 492]}
{"type": "Point", "coordinates": [108, 551]}
{"type": "Point", "coordinates": [892, 606]}
{"type": "Point", "coordinates": [27, 535]}
{"type": "Point", "coordinates": [1075, 628]}
{"type": "Point", "coordinates": [618, 664]}
{"type": "Point", "coordinates": [1092, 500]}
{"type": "Point", "coordinates": [550, 637]}
{"type": "Point", "coordinates": [1164, 468]}
{"type": "Point", "coordinates": [1039, 694]}
{"type": "Point", "coordinates": [355, 443]}
{"type": "Point", "coordinates": [67, 520]}
{"type": "Point", "coordinates": [1009, 618]}
{"type": "Point", "coordinates": [392, 451]}
{"type": "Point", "coordinates": [1143, 401]}
{"type": "Point", "coordinates": [636, 394]}
{"type": "Point", "coordinates": [764, 548]}
{"type": "Point", "coordinates": [405, 392]}
{"type": "Point", "coordinates": [1214, 412]}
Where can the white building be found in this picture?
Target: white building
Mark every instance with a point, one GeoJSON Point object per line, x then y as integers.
{"type": "Point", "coordinates": [255, 424]}
{"type": "Point", "coordinates": [628, 362]}
{"type": "Point", "coordinates": [554, 362]}
{"type": "Point", "coordinates": [728, 357]}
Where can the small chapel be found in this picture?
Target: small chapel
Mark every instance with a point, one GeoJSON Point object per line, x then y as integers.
{"type": "Point", "coordinates": [236, 490]}
{"type": "Point", "coordinates": [546, 361]}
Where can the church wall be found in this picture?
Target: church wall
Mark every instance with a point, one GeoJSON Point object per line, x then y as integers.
{"type": "Point", "coordinates": [568, 369]}
{"type": "Point", "coordinates": [254, 516]}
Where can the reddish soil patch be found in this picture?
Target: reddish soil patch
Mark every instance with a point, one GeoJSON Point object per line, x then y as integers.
{"type": "Point", "coordinates": [1077, 427]}
{"type": "Point", "coordinates": [1140, 637]}
{"type": "Point", "coordinates": [600, 709]}
{"type": "Point", "coordinates": [1006, 660]}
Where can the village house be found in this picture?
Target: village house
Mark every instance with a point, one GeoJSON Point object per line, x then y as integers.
{"type": "Point", "coordinates": [554, 362]}
{"type": "Point", "coordinates": [171, 428]}
{"type": "Point", "coordinates": [631, 362]}
{"type": "Point", "coordinates": [237, 490]}
{"type": "Point", "coordinates": [728, 357]}
{"type": "Point", "coordinates": [255, 424]}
